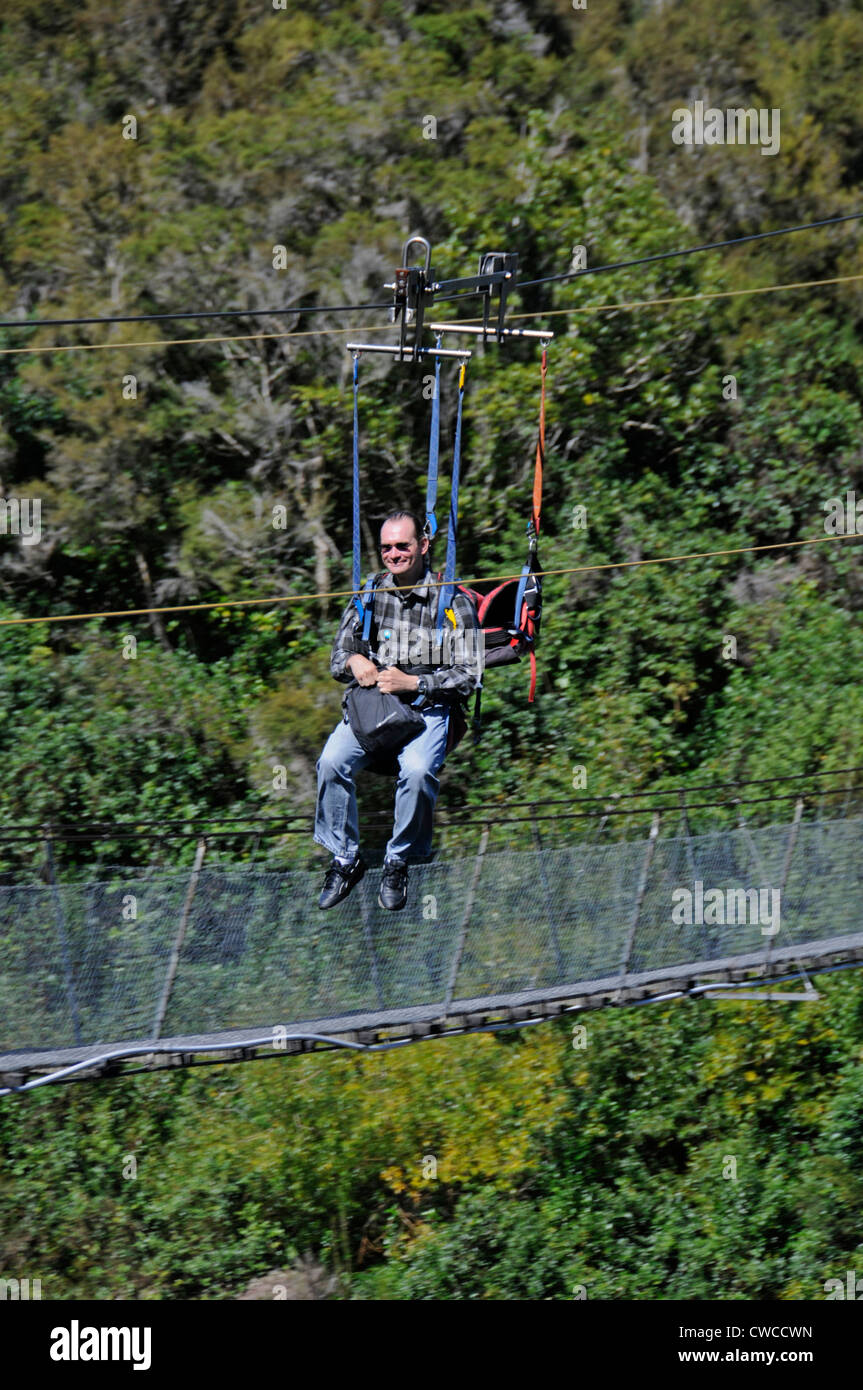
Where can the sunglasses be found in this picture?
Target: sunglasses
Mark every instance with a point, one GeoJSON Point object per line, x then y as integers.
{"type": "Point", "coordinates": [402, 546]}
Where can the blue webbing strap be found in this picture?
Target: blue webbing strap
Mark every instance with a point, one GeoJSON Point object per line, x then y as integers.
{"type": "Point", "coordinates": [355, 573]}
{"type": "Point", "coordinates": [448, 587]}
{"type": "Point", "coordinates": [367, 602]}
{"type": "Point", "coordinates": [434, 452]}
{"type": "Point", "coordinates": [519, 593]}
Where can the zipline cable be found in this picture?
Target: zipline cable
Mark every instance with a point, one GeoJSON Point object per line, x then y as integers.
{"type": "Point", "coordinates": [385, 328]}
{"type": "Point", "coordinates": [196, 314]}
{"type": "Point", "coordinates": [687, 251]}
{"type": "Point", "coordinates": [672, 299]}
{"type": "Point", "coordinates": [181, 342]}
{"type": "Point", "coordinates": [434, 584]}
{"type": "Point", "coordinates": [357, 308]}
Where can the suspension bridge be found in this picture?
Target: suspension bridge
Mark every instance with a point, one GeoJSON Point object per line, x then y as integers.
{"type": "Point", "coordinates": [144, 966]}
{"type": "Point", "coordinates": [527, 912]}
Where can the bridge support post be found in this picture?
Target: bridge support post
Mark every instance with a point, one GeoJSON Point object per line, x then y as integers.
{"type": "Point", "coordinates": [786, 868]}
{"type": "Point", "coordinates": [684, 821]}
{"type": "Point", "coordinates": [468, 909]}
{"type": "Point", "coordinates": [60, 918]}
{"type": "Point", "coordinates": [370, 944]}
{"type": "Point", "coordinates": [639, 899]}
{"type": "Point", "coordinates": [174, 961]}
{"type": "Point", "coordinates": [546, 889]}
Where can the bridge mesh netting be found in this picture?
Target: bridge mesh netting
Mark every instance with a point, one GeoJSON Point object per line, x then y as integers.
{"type": "Point", "coordinates": [91, 963]}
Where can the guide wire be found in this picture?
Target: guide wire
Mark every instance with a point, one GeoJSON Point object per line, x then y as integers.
{"type": "Point", "coordinates": [432, 584]}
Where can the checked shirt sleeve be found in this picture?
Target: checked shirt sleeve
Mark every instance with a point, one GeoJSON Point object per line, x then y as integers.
{"type": "Point", "coordinates": [462, 651]}
{"type": "Point", "coordinates": [345, 645]}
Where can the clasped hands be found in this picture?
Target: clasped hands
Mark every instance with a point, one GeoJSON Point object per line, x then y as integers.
{"type": "Point", "coordinates": [390, 679]}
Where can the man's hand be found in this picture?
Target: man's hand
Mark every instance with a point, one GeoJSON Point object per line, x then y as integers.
{"type": "Point", "coordinates": [365, 672]}
{"type": "Point", "coordinates": [392, 680]}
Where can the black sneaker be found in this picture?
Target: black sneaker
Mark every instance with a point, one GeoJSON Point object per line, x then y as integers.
{"type": "Point", "coordinates": [340, 879]}
{"type": "Point", "coordinates": [394, 885]}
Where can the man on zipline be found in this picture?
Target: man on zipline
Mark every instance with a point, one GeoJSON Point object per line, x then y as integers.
{"type": "Point", "coordinates": [405, 620]}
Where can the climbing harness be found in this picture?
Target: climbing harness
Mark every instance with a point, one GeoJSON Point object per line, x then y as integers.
{"type": "Point", "coordinates": [509, 613]}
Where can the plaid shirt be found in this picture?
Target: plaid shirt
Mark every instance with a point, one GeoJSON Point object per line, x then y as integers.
{"type": "Point", "coordinates": [405, 628]}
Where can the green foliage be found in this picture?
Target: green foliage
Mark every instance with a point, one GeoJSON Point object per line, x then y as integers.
{"type": "Point", "coordinates": [698, 1150]}
{"type": "Point", "coordinates": [633, 1195]}
{"type": "Point", "coordinates": [149, 737]}
{"type": "Point", "coordinates": [307, 134]}
{"type": "Point", "coordinates": [308, 130]}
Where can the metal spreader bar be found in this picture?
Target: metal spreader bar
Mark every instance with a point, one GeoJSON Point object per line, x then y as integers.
{"type": "Point", "coordinates": [411, 352]}
{"type": "Point", "coordinates": [501, 333]}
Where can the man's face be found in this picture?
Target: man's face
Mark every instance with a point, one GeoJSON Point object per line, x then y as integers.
{"type": "Point", "coordinates": [401, 551]}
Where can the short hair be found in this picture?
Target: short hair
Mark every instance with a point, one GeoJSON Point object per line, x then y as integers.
{"type": "Point", "coordinates": [419, 528]}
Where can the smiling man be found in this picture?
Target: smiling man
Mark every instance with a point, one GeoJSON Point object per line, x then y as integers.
{"type": "Point", "coordinates": [403, 637]}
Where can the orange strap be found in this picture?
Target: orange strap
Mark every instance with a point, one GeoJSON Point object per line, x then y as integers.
{"type": "Point", "coordinates": [540, 449]}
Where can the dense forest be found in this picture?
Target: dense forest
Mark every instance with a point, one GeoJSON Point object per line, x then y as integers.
{"type": "Point", "coordinates": [307, 130]}
{"type": "Point", "coordinates": [153, 158]}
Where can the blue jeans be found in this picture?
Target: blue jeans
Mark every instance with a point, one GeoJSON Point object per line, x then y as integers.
{"type": "Point", "coordinates": [336, 817]}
